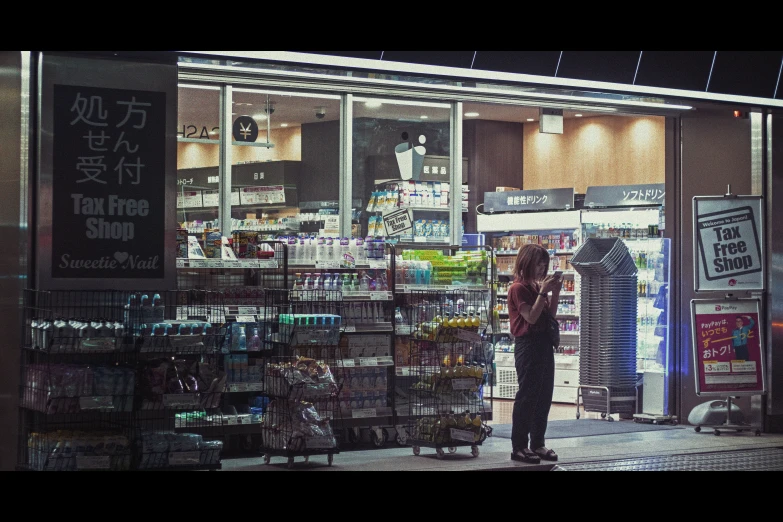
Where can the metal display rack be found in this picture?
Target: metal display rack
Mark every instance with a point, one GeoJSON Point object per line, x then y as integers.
{"type": "Point", "coordinates": [470, 279]}
{"type": "Point", "coordinates": [241, 283]}
{"type": "Point", "coordinates": [448, 370]}
{"type": "Point", "coordinates": [301, 373]}
{"type": "Point", "coordinates": [109, 376]}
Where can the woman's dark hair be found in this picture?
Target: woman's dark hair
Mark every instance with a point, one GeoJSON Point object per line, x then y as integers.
{"type": "Point", "coordinates": [528, 258]}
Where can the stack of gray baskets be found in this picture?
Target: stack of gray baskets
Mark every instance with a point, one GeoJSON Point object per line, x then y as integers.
{"type": "Point", "coordinates": [607, 336]}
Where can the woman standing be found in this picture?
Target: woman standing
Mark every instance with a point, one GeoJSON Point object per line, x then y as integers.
{"type": "Point", "coordinates": [533, 317]}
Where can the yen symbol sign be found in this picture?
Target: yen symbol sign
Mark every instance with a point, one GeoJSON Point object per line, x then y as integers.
{"type": "Point", "coordinates": [245, 129]}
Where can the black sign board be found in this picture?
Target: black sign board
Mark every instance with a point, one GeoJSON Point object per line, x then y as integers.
{"type": "Point", "coordinates": [108, 183]}
{"type": "Point", "coordinates": [625, 195]}
{"type": "Point", "coordinates": [521, 200]}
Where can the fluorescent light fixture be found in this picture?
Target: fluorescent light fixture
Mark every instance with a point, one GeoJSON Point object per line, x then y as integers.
{"type": "Point", "coordinates": [289, 93]}
{"type": "Point", "coordinates": [578, 115]}
{"type": "Point", "coordinates": [471, 115]}
{"type": "Point", "coordinates": [402, 102]}
{"type": "Point", "coordinates": [203, 87]}
{"type": "Point", "coordinates": [284, 125]}
{"type": "Point", "coordinates": [425, 117]}
{"type": "Point", "coordinates": [372, 104]}
{"type": "Point", "coordinates": [530, 119]}
{"type": "Point", "coordinates": [259, 117]}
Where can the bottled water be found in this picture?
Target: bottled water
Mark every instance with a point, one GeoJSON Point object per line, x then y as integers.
{"type": "Point", "coordinates": [361, 252]}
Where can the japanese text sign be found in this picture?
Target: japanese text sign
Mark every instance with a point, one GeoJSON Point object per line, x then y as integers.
{"type": "Point", "coordinates": [625, 195]}
{"type": "Point", "coordinates": [727, 346]}
{"type": "Point", "coordinates": [108, 174]}
{"type": "Point", "coordinates": [520, 200]}
{"type": "Point", "coordinates": [727, 243]}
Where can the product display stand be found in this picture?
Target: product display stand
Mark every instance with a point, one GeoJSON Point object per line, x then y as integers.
{"type": "Point", "coordinates": [301, 376]}
{"type": "Point", "coordinates": [116, 380]}
{"type": "Point", "coordinates": [448, 365]}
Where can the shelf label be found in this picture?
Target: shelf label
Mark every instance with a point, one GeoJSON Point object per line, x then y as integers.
{"type": "Point", "coordinates": [380, 296]}
{"type": "Point", "coordinates": [368, 361]}
{"type": "Point", "coordinates": [184, 458]}
{"type": "Point", "coordinates": [96, 403]}
{"type": "Point", "coordinates": [83, 462]}
{"type": "Point", "coordinates": [180, 399]}
{"type": "Point", "coordinates": [469, 336]}
{"type": "Point", "coordinates": [332, 265]}
{"type": "Point", "coordinates": [465, 436]}
{"type": "Point", "coordinates": [348, 363]}
{"type": "Point", "coordinates": [378, 264]}
{"type": "Point", "coordinates": [385, 361]}
{"type": "Point", "coordinates": [180, 263]}
{"type": "Point", "coordinates": [463, 384]}
{"type": "Point", "coordinates": [350, 329]}
{"type": "Point", "coordinates": [319, 443]}
{"type": "Point", "coordinates": [237, 387]}
{"type": "Point", "coordinates": [246, 318]}
{"type": "Point", "coordinates": [363, 413]}
{"type": "Point", "coordinates": [403, 330]}
{"type": "Point", "coordinates": [199, 263]}
{"type": "Point", "coordinates": [247, 310]}
{"type": "Point", "coordinates": [247, 263]}
{"type": "Point", "coordinates": [268, 263]}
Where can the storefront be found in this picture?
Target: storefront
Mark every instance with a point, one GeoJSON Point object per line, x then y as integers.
{"type": "Point", "coordinates": [320, 154]}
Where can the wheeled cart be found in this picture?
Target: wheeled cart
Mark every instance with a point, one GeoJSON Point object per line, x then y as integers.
{"type": "Point", "coordinates": [301, 374]}
{"type": "Point", "coordinates": [448, 371]}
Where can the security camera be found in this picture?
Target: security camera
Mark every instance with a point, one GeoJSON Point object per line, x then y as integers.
{"type": "Point", "coordinates": [320, 113]}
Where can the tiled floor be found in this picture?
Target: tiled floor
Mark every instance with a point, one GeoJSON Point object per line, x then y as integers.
{"type": "Point", "coordinates": [671, 448]}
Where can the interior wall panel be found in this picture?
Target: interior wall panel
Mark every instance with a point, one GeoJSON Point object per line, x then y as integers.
{"type": "Point", "coordinates": [595, 152]}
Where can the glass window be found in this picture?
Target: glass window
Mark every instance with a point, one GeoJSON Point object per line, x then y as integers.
{"type": "Point", "coordinates": [401, 160]}
{"type": "Point", "coordinates": [286, 170]}
{"type": "Point", "coordinates": [198, 156]}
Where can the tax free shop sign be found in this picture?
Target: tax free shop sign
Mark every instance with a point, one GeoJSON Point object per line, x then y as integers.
{"type": "Point", "coordinates": [729, 251]}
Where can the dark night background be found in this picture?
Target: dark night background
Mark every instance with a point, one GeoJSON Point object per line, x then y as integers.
{"type": "Point", "coordinates": [741, 73]}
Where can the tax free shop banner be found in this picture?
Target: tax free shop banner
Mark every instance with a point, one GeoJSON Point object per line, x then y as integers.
{"type": "Point", "coordinates": [728, 248]}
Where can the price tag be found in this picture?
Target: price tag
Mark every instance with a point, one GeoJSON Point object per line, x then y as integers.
{"type": "Point", "coordinates": [462, 384]}
{"type": "Point", "coordinates": [403, 329]}
{"type": "Point", "coordinates": [466, 335]}
{"type": "Point", "coordinates": [198, 263]}
{"type": "Point", "coordinates": [427, 411]}
{"type": "Point", "coordinates": [385, 361]}
{"type": "Point", "coordinates": [348, 363]}
{"type": "Point", "coordinates": [255, 387]}
{"type": "Point", "coordinates": [350, 329]}
{"type": "Point", "coordinates": [217, 263]}
{"type": "Point", "coordinates": [379, 296]}
{"type": "Point", "coordinates": [180, 400]}
{"type": "Point", "coordinates": [184, 458]}
{"type": "Point", "coordinates": [363, 413]}
{"type": "Point", "coordinates": [83, 462]}
{"type": "Point", "coordinates": [267, 263]}
{"type": "Point", "coordinates": [319, 443]}
{"type": "Point", "coordinates": [378, 264]}
{"type": "Point", "coordinates": [247, 263]}
{"type": "Point", "coordinates": [180, 263]}
{"type": "Point", "coordinates": [368, 361]}
{"type": "Point", "coordinates": [246, 318]}
{"type": "Point", "coordinates": [466, 436]}
{"type": "Point", "coordinates": [247, 310]}
{"type": "Point", "coordinates": [96, 403]}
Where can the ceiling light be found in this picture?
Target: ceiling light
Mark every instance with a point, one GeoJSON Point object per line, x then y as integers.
{"type": "Point", "coordinates": [471, 115]}
{"type": "Point", "coordinates": [259, 117]}
{"type": "Point", "coordinates": [530, 119]}
{"type": "Point", "coordinates": [372, 104]}
{"type": "Point", "coordinates": [424, 117]}
{"type": "Point", "coordinates": [290, 94]}
{"type": "Point", "coordinates": [284, 125]}
{"type": "Point", "coordinates": [403, 102]}
{"type": "Point", "coordinates": [578, 115]}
